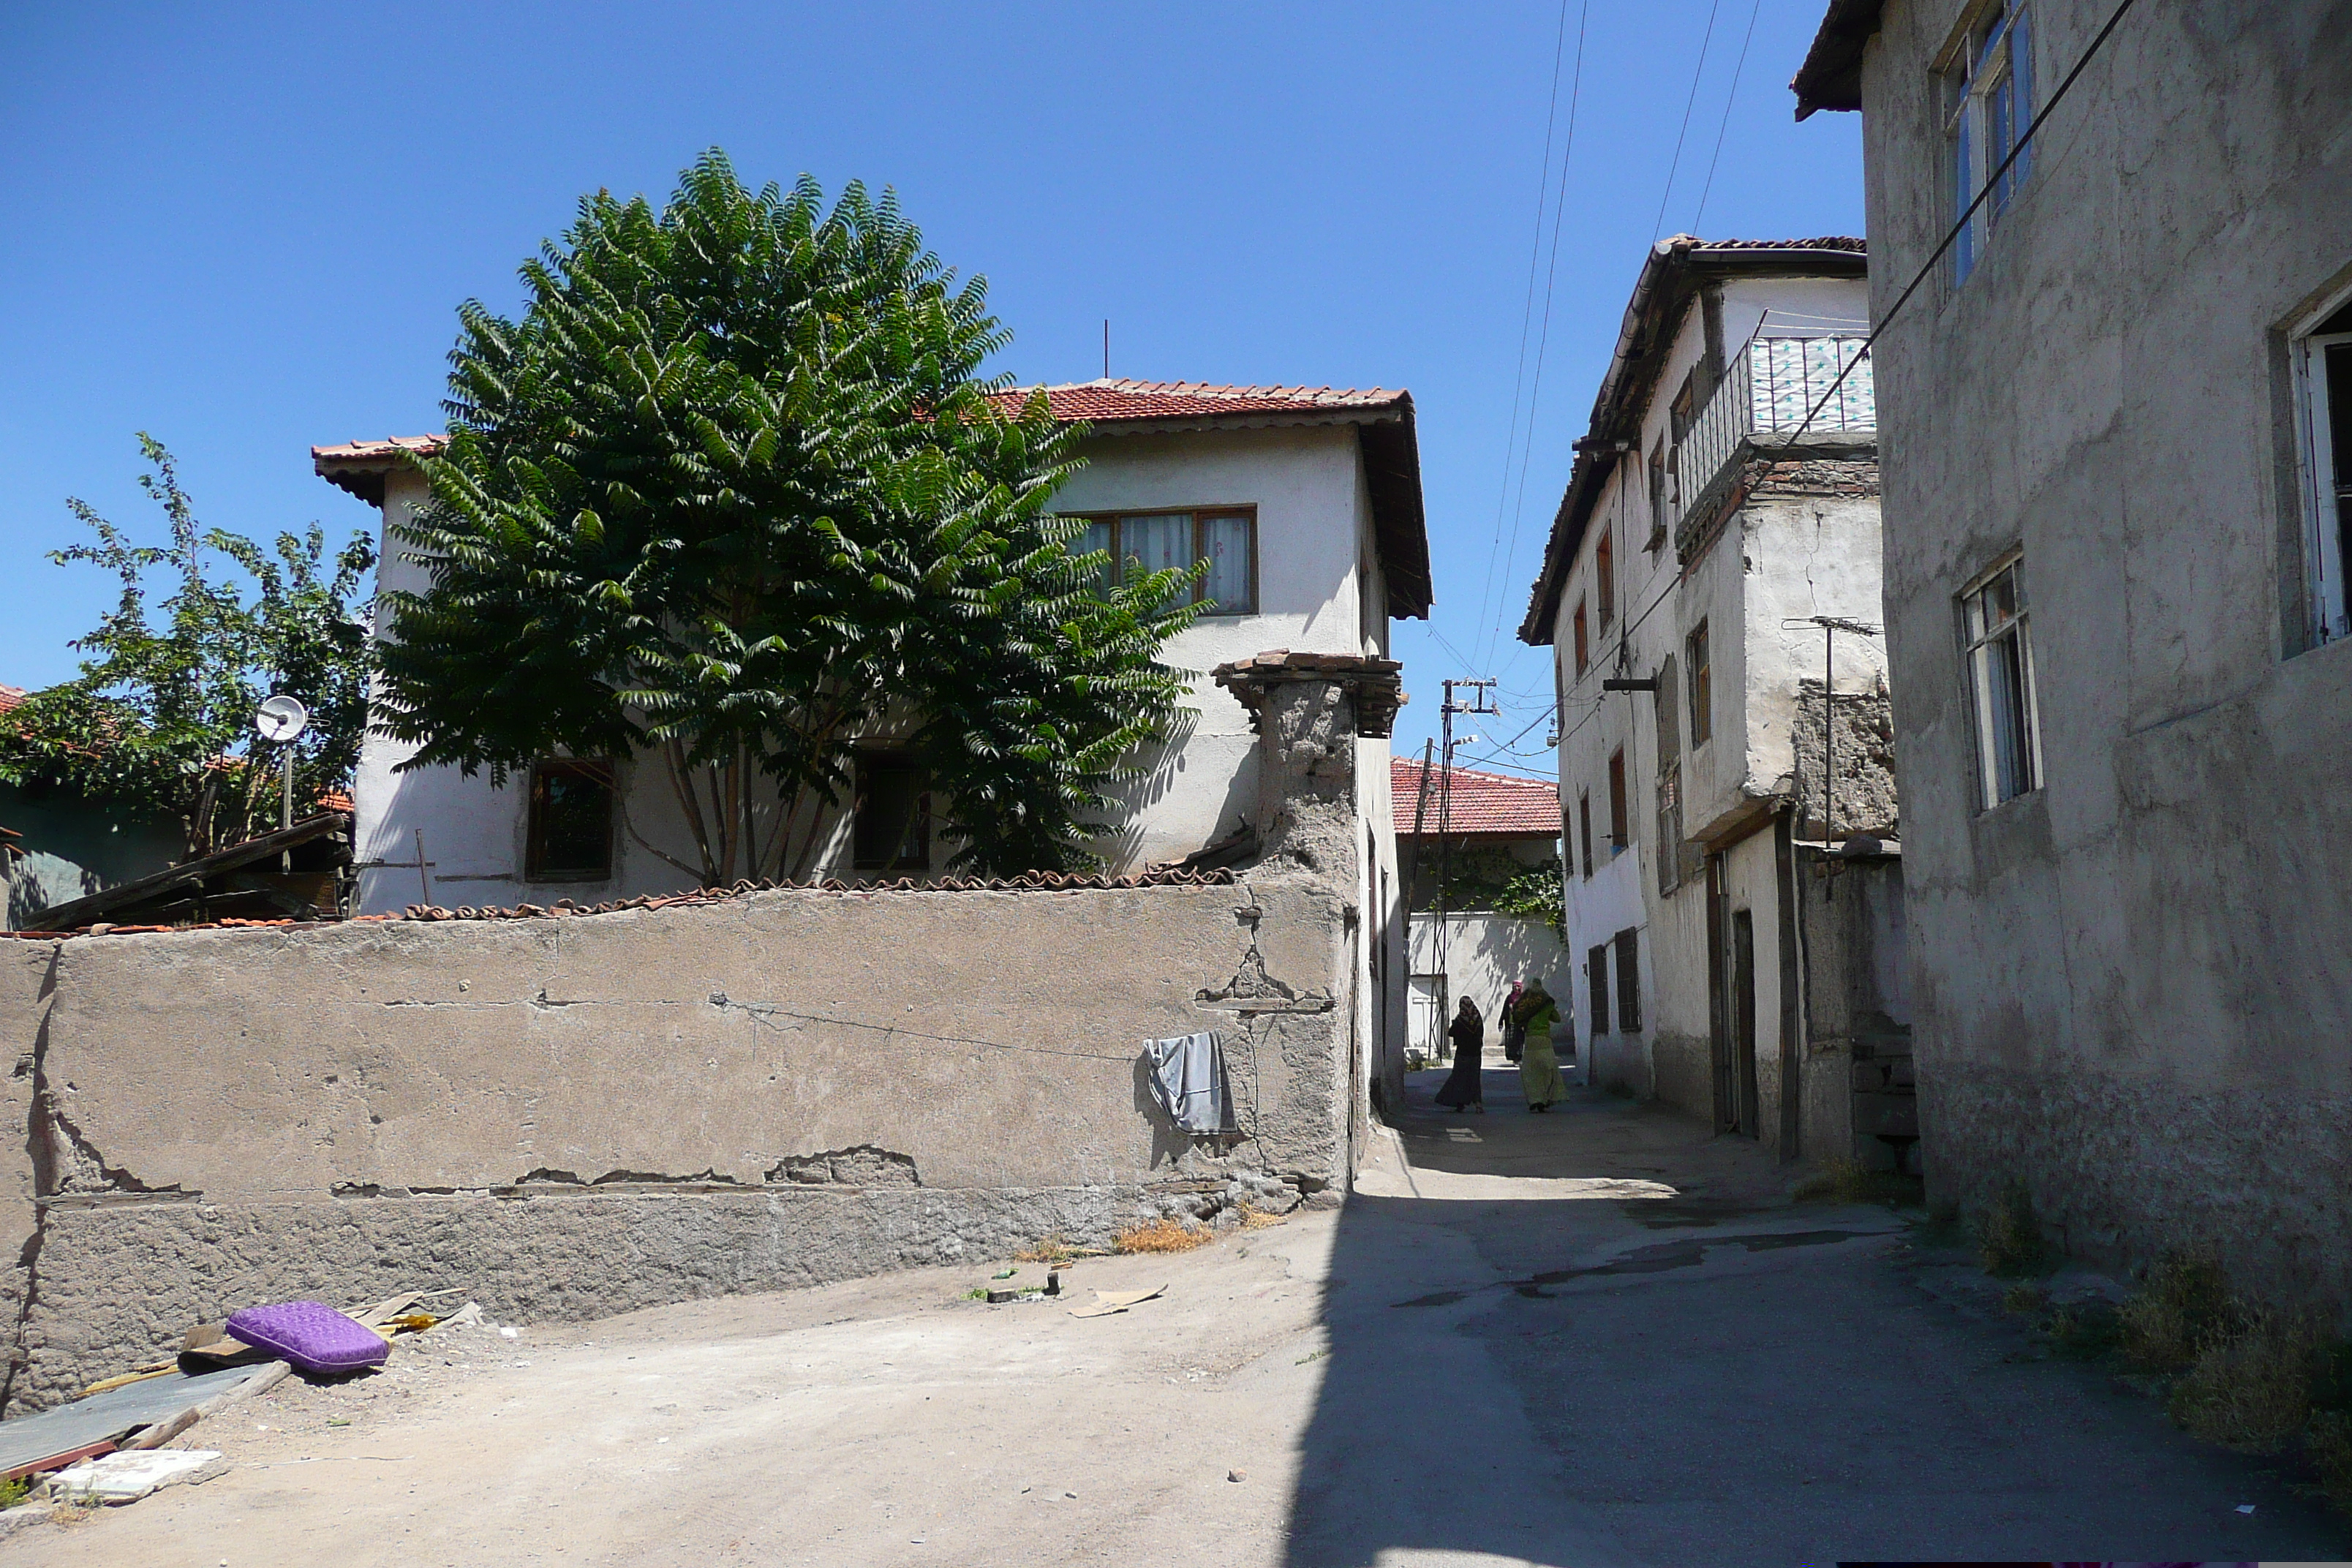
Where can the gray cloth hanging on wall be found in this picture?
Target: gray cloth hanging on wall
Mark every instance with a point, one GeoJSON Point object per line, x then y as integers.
{"type": "Point", "coordinates": [1188, 1080]}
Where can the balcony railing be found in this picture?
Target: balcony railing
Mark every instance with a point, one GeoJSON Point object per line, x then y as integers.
{"type": "Point", "coordinates": [1770, 384]}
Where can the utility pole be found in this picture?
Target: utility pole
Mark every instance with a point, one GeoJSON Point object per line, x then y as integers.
{"type": "Point", "coordinates": [1831, 625]}
{"type": "Point", "coordinates": [1480, 700]}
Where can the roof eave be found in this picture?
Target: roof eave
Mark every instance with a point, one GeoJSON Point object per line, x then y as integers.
{"type": "Point", "coordinates": [1392, 452]}
{"type": "Point", "coordinates": [1831, 77]}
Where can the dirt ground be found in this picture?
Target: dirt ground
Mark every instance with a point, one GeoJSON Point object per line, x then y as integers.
{"type": "Point", "coordinates": [1600, 1336]}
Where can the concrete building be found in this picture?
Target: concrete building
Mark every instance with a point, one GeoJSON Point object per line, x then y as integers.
{"type": "Point", "coordinates": [2117, 505]}
{"type": "Point", "coordinates": [1464, 836]}
{"type": "Point", "coordinates": [1713, 559]}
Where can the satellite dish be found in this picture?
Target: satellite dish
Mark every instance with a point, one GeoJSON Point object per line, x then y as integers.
{"type": "Point", "coordinates": [280, 719]}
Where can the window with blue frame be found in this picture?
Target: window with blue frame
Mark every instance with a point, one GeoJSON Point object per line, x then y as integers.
{"type": "Point", "coordinates": [1988, 90]}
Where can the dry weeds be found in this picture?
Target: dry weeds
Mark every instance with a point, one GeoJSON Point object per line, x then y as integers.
{"type": "Point", "coordinates": [1165, 1236]}
{"type": "Point", "coordinates": [2250, 1389]}
{"type": "Point", "coordinates": [2180, 1307]}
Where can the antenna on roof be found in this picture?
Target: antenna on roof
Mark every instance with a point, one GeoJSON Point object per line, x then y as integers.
{"type": "Point", "coordinates": [1105, 348]}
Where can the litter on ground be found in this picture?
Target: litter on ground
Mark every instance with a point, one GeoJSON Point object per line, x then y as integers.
{"type": "Point", "coordinates": [128, 1476]}
{"type": "Point", "coordinates": [1106, 1302]}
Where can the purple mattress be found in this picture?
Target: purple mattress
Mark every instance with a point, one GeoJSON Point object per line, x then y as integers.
{"type": "Point", "coordinates": [312, 1336]}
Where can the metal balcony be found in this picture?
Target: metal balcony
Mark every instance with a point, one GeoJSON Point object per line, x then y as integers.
{"type": "Point", "coordinates": [1768, 388]}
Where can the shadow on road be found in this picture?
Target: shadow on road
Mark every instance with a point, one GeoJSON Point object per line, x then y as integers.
{"type": "Point", "coordinates": [1528, 1365]}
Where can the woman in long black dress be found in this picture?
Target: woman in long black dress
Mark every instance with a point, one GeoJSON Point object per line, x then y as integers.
{"type": "Point", "coordinates": [1465, 1088]}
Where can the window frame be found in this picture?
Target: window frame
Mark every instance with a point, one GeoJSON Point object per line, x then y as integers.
{"type": "Point", "coordinates": [1628, 945]}
{"type": "Point", "coordinates": [1198, 514]}
{"type": "Point", "coordinates": [1985, 76]}
{"type": "Point", "coordinates": [1584, 823]}
{"type": "Point", "coordinates": [1699, 659]}
{"type": "Point", "coordinates": [870, 760]}
{"type": "Point", "coordinates": [1977, 648]}
{"type": "Point", "coordinates": [2325, 487]}
{"type": "Point", "coordinates": [596, 771]}
{"type": "Point", "coordinates": [1581, 630]}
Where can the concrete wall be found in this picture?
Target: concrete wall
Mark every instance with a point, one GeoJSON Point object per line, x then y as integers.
{"type": "Point", "coordinates": [571, 1117]}
{"type": "Point", "coordinates": [1320, 589]}
{"type": "Point", "coordinates": [575, 1115]}
{"type": "Point", "coordinates": [2134, 987]}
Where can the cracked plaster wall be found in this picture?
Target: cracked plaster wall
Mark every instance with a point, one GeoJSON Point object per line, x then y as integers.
{"type": "Point", "coordinates": [570, 1117]}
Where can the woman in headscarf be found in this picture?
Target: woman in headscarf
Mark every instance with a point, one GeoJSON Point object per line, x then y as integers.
{"type": "Point", "coordinates": [1512, 1032]}
{"type": "Point", "coordinates": [1465, 1088]}
{"type": "Point", "coordinates": [1539, 1076]}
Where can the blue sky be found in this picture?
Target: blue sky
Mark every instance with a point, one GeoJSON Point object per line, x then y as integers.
{"type": "Point", "coordinates": [247, 228]}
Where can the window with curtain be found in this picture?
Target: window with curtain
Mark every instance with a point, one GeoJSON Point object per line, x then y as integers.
{"type": "Point", "coordinates": [1159, 540]}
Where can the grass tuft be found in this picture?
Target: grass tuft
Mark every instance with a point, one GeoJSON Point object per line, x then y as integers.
{"type": "Point", "coordinates": [1054, 1248]}
{"type": "Point", "coordinates": [1848, 1181]}
{"type": "Point", "coordinates": [2008, 1236]}
{"type": "Point", "coordinates": [1165, 1236]}
{"type": "Point", "coordinates": [2251, 1389]}
{"type": "Point", "coordinates": [2182, 1306]}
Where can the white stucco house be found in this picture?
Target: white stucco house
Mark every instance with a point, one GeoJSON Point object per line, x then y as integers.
{"type": "Point", "coordinates": [1307, 501]}
{"type": "Point", "coordinates": [1735, 922]}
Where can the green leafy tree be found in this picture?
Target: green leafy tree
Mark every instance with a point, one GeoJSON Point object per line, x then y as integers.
{"type": "Point", "coordinates": [1539, 894]}
{"type": "Point", "coordinates": [730, 497]}
{"type": "Point", "coordinates": [160, 720]}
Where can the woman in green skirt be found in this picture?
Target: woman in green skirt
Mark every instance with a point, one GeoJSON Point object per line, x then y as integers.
{"type": "Point", "coordinates": [1539, 1078]}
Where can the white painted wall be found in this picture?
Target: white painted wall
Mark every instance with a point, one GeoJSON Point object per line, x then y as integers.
{"type": "Point", "coordinates": [1319, 589]}
{"type": "Point", "coordinates": [1483, 955]}
{"type": "Point", "coordinates": [1777, 560]}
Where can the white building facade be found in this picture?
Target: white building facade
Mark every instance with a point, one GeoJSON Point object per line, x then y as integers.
{"type": "Point", "coordinates": [1715, 551]}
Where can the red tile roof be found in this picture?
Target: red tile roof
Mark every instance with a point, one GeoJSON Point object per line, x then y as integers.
{"type": "Point", "coordinates": [1111, 401]}
{"type": "Point", "coordinates": [1383, 416]}
{"type": "Point", "coordinates": [11, 697]}
{"type": "Point", "coordinates": [1477, 802]}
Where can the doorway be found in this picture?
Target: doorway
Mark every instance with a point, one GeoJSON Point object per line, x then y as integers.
{"type": "Point", "coordinates": [1425, 1012]}
{"type": "Point", "coordinates": [1743, 1020]}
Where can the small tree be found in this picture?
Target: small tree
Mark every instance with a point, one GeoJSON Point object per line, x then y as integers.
{"type": "Point", "coordinates": [733, 496]}
{"type": "Point", "coordinates": [160, 720]}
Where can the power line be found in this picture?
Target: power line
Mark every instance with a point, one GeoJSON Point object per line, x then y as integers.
{"type": "Point", "coordinates": [1707, 38]}
{"type": "Point", "coordinates": [1527, 311]}
{"type": "Point", "coordinates": [1728, 99]}
{"type": "Point", "coordinates": [1968, 214]}
{"type": "Point", "coordinates": [1543, 339]}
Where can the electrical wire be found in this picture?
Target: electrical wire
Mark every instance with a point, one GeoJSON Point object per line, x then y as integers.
{"type": "Point", "coordinates": [1968, 216]}
{"type": "Point", "coordinates": [1660, 225]}
{"type": "Point", "coordinates": [1543, 339]}
{"type": "Point", "coordinates": [762, 1011]}
{"type": "Point", "coordinates": [1728, 99]}
{"type": "Point", "coordinates": [1527, 311]}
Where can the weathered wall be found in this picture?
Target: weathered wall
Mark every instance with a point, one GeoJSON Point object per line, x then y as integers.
{"type": "Point", "coordinates": [578, 1115]}
{"type": "Point", "coordinates": [2133, 983]}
